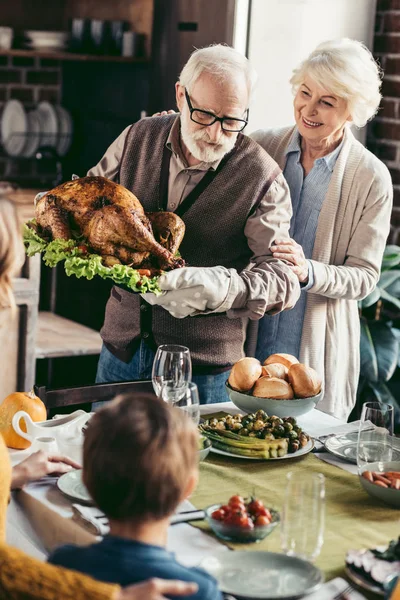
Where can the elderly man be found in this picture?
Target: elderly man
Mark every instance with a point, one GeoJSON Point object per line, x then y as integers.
{"type": "Point", "coordinates": [234, 201]}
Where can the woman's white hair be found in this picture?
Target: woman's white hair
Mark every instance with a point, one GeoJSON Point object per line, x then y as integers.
{"type": "Point", "coordinates": [222, 62]}
{"type": "Point", "coordinates": [347, 69]}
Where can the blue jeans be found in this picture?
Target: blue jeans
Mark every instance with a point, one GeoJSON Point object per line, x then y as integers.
{"type": "Point", "coordinates": [110, 370]}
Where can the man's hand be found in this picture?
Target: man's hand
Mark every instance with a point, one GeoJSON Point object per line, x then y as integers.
{"type": "Point", "coordinates": [163, 113]}
{"type": "Point", "coordinates": [154, 589]}
{"type": "Point", "coordinates": [193, 290]}
{"type": "Point", "coordinates": [38, 465]}
{"type": "Point", "coordinates": [291, 251]}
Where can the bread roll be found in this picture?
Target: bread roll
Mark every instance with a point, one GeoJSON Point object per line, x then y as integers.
{"type": "Point", "coordinates": [272, 387]}
{"type": "Point", "coordinates": [244, 374]}
{"type": "Point", "coordinates": [275, 370]}
{"type": "Point", "coordinates": [285, 359]}
{"type": "Point", "coordinates": [305, 381]}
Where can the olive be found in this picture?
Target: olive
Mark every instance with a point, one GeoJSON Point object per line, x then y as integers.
{"type": "Point", "coordinates": [267, 436]}
{"type": "Point", "coordinates": [258, 425]}
{"type": "Point", "coordinates": [294, 445]}
{"type": "Point", "coordinates": [288, 426]}
{"type": "Point", "coordinates": [279, 431]}
{"type": "Point", "coordinates": [243, 431]}
{"type": "Point", "coordinates": [291, 420]}
{"type": "Point", "coordinates": [292, 435]}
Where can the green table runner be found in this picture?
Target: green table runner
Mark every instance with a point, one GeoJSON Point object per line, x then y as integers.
{"type": "Point", "coordinates": [353, 519]}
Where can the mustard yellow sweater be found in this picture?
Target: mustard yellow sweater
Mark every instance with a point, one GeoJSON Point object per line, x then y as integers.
{"type": "Point", "coordinates": [24, 578]}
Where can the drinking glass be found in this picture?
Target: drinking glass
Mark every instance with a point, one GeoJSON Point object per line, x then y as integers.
{"type": "Point", "coordinates": [375, 435]}
{"type": "Point", "coordinates": [303, 515]}
{"type": "Point", "coordinates": [171, 363]}
{"type": "Point", "coordinates": [186, 398]}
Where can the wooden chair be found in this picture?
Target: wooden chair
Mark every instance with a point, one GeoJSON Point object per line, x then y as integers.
{"type": "Point", "coordinates": [89, 393]}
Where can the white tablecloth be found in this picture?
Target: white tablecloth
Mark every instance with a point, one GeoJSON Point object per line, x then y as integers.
{"type": "Point", "coordinates": [40, 517]}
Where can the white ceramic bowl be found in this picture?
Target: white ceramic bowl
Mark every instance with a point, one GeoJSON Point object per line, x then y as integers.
{"type": "Point", "coordinates": [280, 408]}
{"type": "Point", "coordinates": [387, 495]}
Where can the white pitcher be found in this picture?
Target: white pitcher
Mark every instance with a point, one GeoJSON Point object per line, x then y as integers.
{"type": "Point", "coordinates": [65, 427]}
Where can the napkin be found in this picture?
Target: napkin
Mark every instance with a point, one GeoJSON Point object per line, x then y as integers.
{"type": "Point", "coordinates": [333, 590]}
{"type": "Point", "coordinates": [337, 462]}
{"type": "Point", "coordinates": [92, 518]}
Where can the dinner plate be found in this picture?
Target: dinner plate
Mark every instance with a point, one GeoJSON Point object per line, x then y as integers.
{"type": "Point", "coordinates": [49, 124]}
{"type": "Point", "coordinates": [305, 450]}
{"type": "Point", "coordinates": [262, 575]}
{"type": "Point", "coordinates": [14, 125]}
{"type": "Point", "coordinates": [64, 130]}
{"type": "Point", "coordinates": [33, 138]}
{"type": "Point", "coordinates": [362, 582]}
{"type": "Point", "coordinates": [344, 446]}
{"type": "Point", "coordinates": [72, 486]}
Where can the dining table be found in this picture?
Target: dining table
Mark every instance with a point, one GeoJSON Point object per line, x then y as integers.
{"type": "Point", "coordinates": [41, 518]}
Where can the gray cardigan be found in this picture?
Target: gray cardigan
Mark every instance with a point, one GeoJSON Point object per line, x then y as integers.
{"type": "Point", "coordinates": [352, 230]}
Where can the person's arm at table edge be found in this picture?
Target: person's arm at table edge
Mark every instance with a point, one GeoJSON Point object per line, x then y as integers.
{"type": "Point", "coordinates": [23, 577]}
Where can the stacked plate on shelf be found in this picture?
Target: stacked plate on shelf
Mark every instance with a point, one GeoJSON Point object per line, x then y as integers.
{"type": "Point", "coordinates": [47, 41]}
{"type": "Point", "coordinates": [22, 133]}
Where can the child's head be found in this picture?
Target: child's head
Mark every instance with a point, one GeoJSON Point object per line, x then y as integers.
{"type": "Point", "coordinates": [139, 458]}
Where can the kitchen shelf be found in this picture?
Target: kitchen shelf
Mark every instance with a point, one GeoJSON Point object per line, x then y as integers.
{"type": "Point", "coordinates": [73, 56]}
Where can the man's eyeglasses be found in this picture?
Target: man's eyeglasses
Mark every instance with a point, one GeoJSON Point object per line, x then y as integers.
{"type": "Point", "coordinates": [203, 117]}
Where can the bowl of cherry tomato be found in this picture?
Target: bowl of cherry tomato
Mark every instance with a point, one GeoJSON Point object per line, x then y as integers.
{"type": "Point", "coordinates": [242, 521]}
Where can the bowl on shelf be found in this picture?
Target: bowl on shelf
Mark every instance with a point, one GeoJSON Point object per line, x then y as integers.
{"type": "Point", "coordinates": [385, 494]}
{"type": "Point", "coordinates": [205, 447]}
{"type": "Point", "coordinates": [281, 408]}
{"type": "Point", "coordinates": [238, 534]}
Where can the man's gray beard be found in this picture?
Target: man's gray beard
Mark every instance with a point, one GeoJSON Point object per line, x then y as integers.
{"type": "Point", "coordinates": [210, 152]}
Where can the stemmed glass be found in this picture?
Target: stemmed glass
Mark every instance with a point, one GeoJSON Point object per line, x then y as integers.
{"type": "Point", "coordinates": [186, 398]}
{"type": "Point", "coordinates": [375, 436]}
{"type": "Point", "coordinates": [172, 364]}
{"type": "Point", "coordinates": [303, 515]}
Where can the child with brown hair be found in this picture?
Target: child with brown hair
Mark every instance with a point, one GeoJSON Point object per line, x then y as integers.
{"type": "Point", "coordinates": [139, 462]}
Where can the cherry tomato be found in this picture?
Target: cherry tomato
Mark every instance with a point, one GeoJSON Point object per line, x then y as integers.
{"type": "Point", "coordinates": [226, 508]}
{"type": "Point", "coordinates": [218, 515]}
{"type": "Point", "coordinates": [83, 248]}
{"type": "Point", "coordinates": [247, 523]}
{"type": "Point", "coordinates": [238, 519]}
{"type": "Point", "coordinates": [254, 506]}
{"type": "Point", "coordinates": [263, 512]}
{"type": "Point", "coordinates": [237, 507]}
{"type": "Point", "coordinates": [261, 521]}
{"type": "Point", "coordinates": [236, 500]}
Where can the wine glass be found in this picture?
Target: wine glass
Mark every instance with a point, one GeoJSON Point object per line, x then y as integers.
{"type": "Point", "coordinates": [303, 515]}
{"type": "Point", "coordinates": [171, 363]}
{"type": "Point", "coordinates": [185, 397]}
{"type": "Point", "coordinates": [375, 435]}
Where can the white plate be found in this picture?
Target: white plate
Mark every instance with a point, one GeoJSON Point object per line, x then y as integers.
{"type": "Point", "coordinates": [305, 450]}
{"type": "Point", "coordinates": [14, 122]}
{"type": "Point", "coordinates": [71, 485]}
{"type": "Point", "coordinates": [49, 124]}
{"type": "Point", "coordinates": [362, 582]}
{"type": "Point", "coordinates": [65, 128]}
{"type": "Point", "coordinates": [344, 446]}
{"type": "Point", "coordinates": [262, 575]}
{"type": "Point", "coordinates": [33, 138]}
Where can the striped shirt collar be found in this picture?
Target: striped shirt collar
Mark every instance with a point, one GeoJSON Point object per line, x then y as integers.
{"type": "Point", "coordinates": [328, 159]}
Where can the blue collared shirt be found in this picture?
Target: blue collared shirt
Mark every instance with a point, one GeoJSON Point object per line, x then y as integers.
{"type": "Point", "coordinates": [282, 332]}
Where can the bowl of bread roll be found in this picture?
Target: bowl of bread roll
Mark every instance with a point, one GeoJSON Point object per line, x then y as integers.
{"type": "Point", "coordinates": [281, 386]}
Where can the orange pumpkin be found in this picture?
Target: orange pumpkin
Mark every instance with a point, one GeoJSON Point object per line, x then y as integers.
{"type": "Point", "coordinates": [16, 401]}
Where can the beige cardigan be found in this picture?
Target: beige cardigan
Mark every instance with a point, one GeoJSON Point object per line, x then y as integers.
{"type": "Point", "coordinates": [351, 235]}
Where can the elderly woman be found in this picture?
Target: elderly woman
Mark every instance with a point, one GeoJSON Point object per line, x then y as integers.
{"type": "Point", "coordinates": [22, 577]}
{"type": "Point", "coordinates": [342, 199]}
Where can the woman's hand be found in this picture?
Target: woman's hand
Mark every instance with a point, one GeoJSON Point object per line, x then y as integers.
{"type": "Point", "coordinates": [291, 251]}
{"type": "Point", "coordinates": [154, 589]}
{"type": "Point", "coordinates": [163, 113]}
{"type": "Point", "coordinates": [39, 464]}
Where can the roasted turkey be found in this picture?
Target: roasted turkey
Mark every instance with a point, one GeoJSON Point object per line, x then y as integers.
{"type": "Point", "coordinates": [112, 222]}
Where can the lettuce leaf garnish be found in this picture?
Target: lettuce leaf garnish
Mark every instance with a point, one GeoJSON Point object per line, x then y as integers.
{"type": "Point", "coordinates": [81, 264]}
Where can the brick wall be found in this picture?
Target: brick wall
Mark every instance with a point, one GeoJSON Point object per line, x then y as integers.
{"type": "Point", "coordinates": [30, 80]}
{"type": "Point", "coordinates": [384, 131]}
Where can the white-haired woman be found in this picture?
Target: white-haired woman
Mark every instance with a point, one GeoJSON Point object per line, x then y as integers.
{"type": "Point", "coordinates": [23, 577]}
{"type": "Point", "coordinates": [342, 199]}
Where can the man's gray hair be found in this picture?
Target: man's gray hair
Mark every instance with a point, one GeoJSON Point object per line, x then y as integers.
{"type": "Point", "coordinates": [220, 61]}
